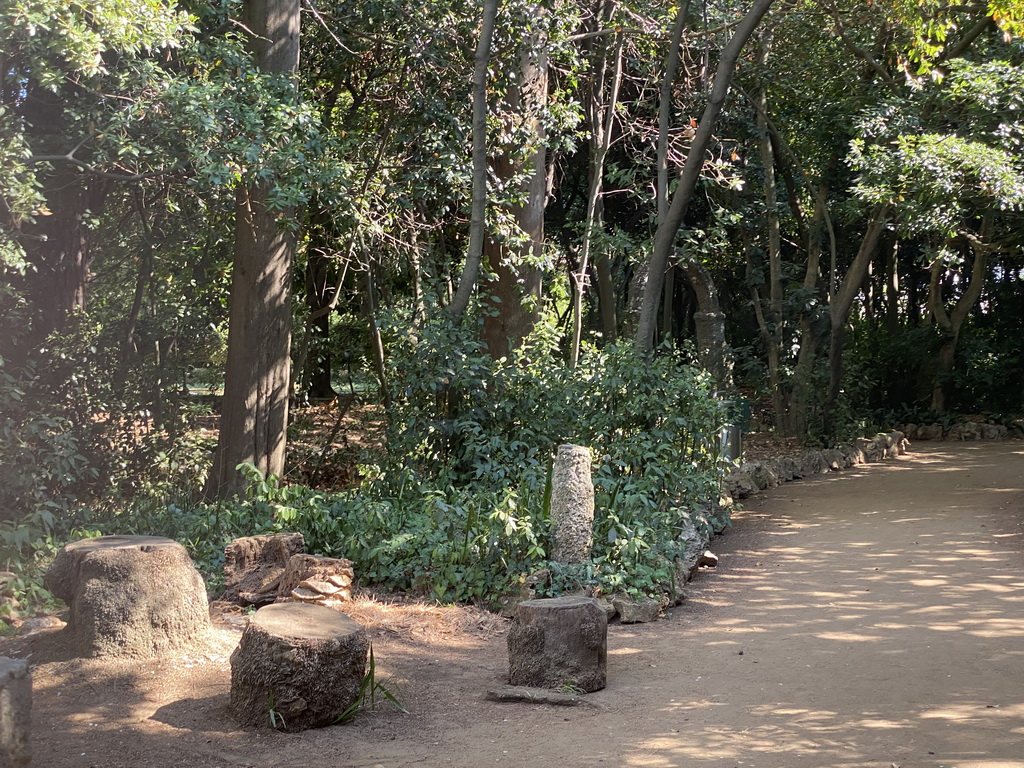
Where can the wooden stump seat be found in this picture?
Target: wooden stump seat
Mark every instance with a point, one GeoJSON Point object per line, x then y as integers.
{"type": "Point", "coordinates": [559, 642]}
{"type": "Point", "coordinates": [254, 565]}
{"type": "Point", "coordinates": [15, 713]}
{"type": "Point", "coordinates": [297, 666]}
{"type": "Point", "coordinates": [133, 596]}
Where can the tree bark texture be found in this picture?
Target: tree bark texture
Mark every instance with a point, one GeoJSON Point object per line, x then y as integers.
{"type": "Point", "coordinates": [317, 579]}
{"type": "Point", "coordinates": [297, 666]}
{"type": "Point", "coordinates": [254, 411]}
{"type": "Point", "coordinates": [129, 596]}
{"type": "Point", "coordinates": [254, 566]}
{"type": "Point", "coordinates": [515, 287]}
{"type": "Point", "coordinates": [15, 713]}
{"type": "Point", "coordinates": [559, 642]}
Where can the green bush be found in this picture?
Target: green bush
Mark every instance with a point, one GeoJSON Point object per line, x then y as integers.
{"type": "Point", "coordinates": [457, 506]}
{"type": "Point", "coordinates": [465, 426]}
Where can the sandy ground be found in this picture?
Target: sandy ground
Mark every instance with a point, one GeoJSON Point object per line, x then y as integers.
{"type": "Point", "coordinates": [873, 618]}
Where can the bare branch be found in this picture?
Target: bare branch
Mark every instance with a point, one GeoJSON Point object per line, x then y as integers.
{"type": "Point", "coordinates": [861, 53]}
{"type": "Point", "coordinates": [319, 18]}
{"type": "Point", "coordinates": [71, 159]}
{"type": "Point", "coordinates": [249, 32]}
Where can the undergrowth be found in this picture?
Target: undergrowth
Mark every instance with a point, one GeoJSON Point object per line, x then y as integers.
{"type": "Point", "coordinates": [457, 507]}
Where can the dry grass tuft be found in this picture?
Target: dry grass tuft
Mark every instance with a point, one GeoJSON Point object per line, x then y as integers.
{"type": "Point", "coordinates": [397, 615]}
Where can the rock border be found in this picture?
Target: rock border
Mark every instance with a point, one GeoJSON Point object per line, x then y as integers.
{"type": "Point", "coordinates": [964, 431]}
{"type": "Point", "coordinates": [752, 477]}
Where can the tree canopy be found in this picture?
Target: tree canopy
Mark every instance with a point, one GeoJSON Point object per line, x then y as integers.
{"type": "Point", "coordinates": [496, 227]}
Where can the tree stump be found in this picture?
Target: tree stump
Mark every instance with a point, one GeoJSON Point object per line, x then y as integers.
{"type": "Point", "coordinates": [297, 666]}
{"type": "Point", "coordinates": [135, 596]}
{"type": "Point", "coordinates": [15, 712]}
{"type": "Point", "coordinates": [317, 579]}
{"type": "Point", "coordinates": [254, 565]}
{"type": "Point", "coordinates": [572, 504]}
{"type": "Point", "coordinates": [559, 642]}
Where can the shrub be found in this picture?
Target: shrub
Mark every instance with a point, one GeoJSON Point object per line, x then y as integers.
{"type": "Point", "coordinates": [457, 506]}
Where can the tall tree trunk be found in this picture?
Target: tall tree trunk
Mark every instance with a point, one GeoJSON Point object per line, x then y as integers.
{"type": "Point", "coordinates": [515, 287]}
{"type": "Point", "coordinates": [839, 310]}
{"type": "Point", "coordinates": [315, 366]}
{"type": "Point", "coordinates": [641, 275]}
{"type": "Point", "coordinates": [811, 336]}
{"type": "Point", "coordinates": [952, 323]}
{"type": "Point", "coordinates": [771, 327]}
{"type": "Point", "coordinates": [892, 289]}
{"type": "Point", "coordinates": [58, 251]}
{"type": "Point", "coordinates": [668, 78]}
{"type": "Point", "coordinates": [477, 223]}
{"type": "Point", "coordinates": [376, 340]}
{"type": "Point", "coordinates": [795, 395]}
{"type": "Point", "coordinates": [607, 297]}
{"type": "Point", "coordinates": [602, 118]}
{"type": "Point", "coordinates": [713, 352]}
{"type": "Point", "coordinates": [664, 237]}
{"type": "Point", "coordinates": [254, 410]}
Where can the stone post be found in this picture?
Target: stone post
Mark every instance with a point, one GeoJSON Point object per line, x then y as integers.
{"type": "Point", "coordinates": [572, 505]}
{"type": "Point", "coordinates": [15, 712]}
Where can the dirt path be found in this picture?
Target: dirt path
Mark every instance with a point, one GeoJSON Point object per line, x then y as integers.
{"type": "Point", "coordinates": [862, 620]}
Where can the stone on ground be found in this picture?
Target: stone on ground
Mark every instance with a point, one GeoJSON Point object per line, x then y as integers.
{"type": "Point", "coordinates": [636, 611]}
{"type": "Point", "coordinates": [528, 695]}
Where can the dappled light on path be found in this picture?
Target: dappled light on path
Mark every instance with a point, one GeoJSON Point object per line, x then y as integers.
{"type": "Point", "coordinates": [864, 636]}
{"type": "Point", "coordinates": [868, 619]}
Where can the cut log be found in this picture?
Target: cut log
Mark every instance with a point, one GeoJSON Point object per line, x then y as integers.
{"type": "Point", "coordinates": [297, 666]}
{"type": "Point", "coordinates": [15, 712]}
{"type": "Point", "coordinates": [132, 596]}
{"type": "Point", "coordinates": [254, 565]}
{"type": "Point", "coordinates": [560, 642]}
{"type": "Point", "coordinates": [317, 579]}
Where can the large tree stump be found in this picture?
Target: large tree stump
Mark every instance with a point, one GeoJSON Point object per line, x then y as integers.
{"type": "Point", "coordinates": [254, 565]}
{"type": "Point", "coordinates": [135, 596]}
{"type": "Point", "coordinates": [15, 712]}
{"type": "Point", "coordinates": [297, 666]}
{"type": "Point", "coordinates": [559, 642]}
{"type": "Point", "coordinates": [572, 504]}
{"type": "Point", "coordinates": [317, 579]}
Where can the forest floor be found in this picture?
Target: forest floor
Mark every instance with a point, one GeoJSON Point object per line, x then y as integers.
{"type": "Point", "coordinates": [866, 619]}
